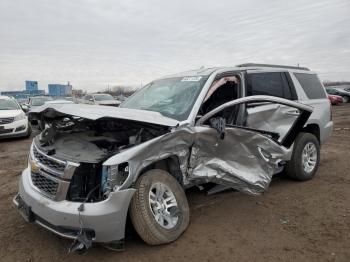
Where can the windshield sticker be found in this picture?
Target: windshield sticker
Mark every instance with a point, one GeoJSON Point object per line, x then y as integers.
{"type": "Point", "coordinates": [191, 79]}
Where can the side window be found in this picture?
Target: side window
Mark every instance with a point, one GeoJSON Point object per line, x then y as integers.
{"type": "Point", "coordinates": [222, 90]}
{"type": "Point", "coordinates": [271, 84]}
{"type": "Point", "coordinates": [311, 85]}
{"type": "Point", "coordinates": [228, 113]}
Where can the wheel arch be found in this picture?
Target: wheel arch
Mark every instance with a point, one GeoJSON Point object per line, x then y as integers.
{"type": "Point", "coordinates": [170, 164]}
{"type": "Point", "coordinates": [313, 129]}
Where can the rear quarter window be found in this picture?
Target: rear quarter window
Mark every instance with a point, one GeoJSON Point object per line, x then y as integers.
{"type": "Point", "coordinates": [311, 85]}
{"type": "Point", "coordinates": [271, 84]}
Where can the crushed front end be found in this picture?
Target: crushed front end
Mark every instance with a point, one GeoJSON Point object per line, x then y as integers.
{"type": "Point", "coordinates": [51, 193]}
{"type": "Point", "coordinates": [67, 189]}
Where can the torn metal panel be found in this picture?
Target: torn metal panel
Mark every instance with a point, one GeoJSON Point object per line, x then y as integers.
{"type": "Point", "coordinates": [176, 143]}
{"type": "Point", "coordinates": [272, 117]}
{"type": "Point", "coordinates": [244, 160]}
{"type": "Point", "coordinates": [255, 99]}
{"type": "Point", "coordinates": [94, 112]}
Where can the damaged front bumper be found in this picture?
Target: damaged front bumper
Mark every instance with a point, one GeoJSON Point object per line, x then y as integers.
{"type": "Point", "coordinates": [104, 221]}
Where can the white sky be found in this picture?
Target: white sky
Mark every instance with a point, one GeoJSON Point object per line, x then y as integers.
{"type": "Point", "coordinates": [93, 43]}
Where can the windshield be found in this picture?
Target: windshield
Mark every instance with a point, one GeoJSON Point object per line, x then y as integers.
{"type": "Point", "coordinates": [7, 104]}
{"type": "Point", "coordinates": [172, 97]}
{"type": "Point", "coordinates": [103, 97]}
{"type": "Point", "coordinates": [39, 101]}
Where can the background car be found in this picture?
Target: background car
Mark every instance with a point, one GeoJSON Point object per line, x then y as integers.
{"type": "Point", "coordinates": [100, 99]}
{"type": "Point", "coordinates": [38, 101]}
{"type": "Point", "coordinates": [335, 100]}
{"type": "Point", "coordinates": [13, 120]}
{"type": "Point", "coordinates": [58, 101]}
{"type": "Point", "coordinates": [339, 92]}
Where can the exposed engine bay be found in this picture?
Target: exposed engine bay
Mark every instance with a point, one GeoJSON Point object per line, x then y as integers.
{"type": "Point", "coordinates": [89, 143]}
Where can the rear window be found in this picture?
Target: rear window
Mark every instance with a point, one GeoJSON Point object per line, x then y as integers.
{"type": "Point", "coordinates": [271, 84]}
{"type": "Point", "coordinates": [311, 85]}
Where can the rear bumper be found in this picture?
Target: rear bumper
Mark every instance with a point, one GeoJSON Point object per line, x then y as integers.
{"type": "Point", "coordinates": [326, 132]}
{"type": "Point", "coordinates": [104, 221]}
{"type": "Point", "coordinates": [15, 129]}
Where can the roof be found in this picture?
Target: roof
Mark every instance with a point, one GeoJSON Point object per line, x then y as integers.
{"type": "Point", "coordinates": [273, 66]}
{"type": "Point", "coordinates": [242, 67]}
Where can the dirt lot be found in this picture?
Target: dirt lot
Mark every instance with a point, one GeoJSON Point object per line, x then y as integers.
{"type": "Point", "coordinates": [292, 221]}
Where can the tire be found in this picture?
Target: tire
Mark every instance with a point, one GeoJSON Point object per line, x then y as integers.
{"type": "Point", "coordinates": [143, 215]}
{"type": "Point", "coordinates": [295, 168]}
{"type": "Point", "coordinates": [345, 99]}
{"type": "Point", "coordinates": [29, 130]}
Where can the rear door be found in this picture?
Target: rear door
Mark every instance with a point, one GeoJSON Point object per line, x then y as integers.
{"type": "Point", "coordinates": [242, 157]}
{"type": "Point", "coordinates": [265, 115]}
{"type": "Point", "coordinates": [315, 96]}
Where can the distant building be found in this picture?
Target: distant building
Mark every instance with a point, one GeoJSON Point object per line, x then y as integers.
{"type": "Point", "coordinates": [31, 90]}
{"type": "Point", "coordinates": [15, 94]}
{"type": "Point", "coordinates": [37, 93]}
{"type": "Point", "coordinates": [60, 90]}
{"type": "Point", "coordinates": [23, 94]}
{"type": "Point", "coordinates": [31, 86]}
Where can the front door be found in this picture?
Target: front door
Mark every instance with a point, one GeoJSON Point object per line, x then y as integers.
{"type": "Point", "coordinates": [241, 157]}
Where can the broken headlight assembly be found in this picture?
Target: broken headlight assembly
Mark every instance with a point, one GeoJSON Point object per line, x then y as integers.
{"type": "Point", "coordinates": [113, 177]}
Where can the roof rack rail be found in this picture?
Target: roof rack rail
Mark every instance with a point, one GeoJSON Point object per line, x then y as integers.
{"type": "Point", "coordinates": [273, 66]}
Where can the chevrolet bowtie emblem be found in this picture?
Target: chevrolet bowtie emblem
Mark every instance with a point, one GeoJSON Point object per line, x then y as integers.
{"type": "Point", "coordinates": [34, 167]}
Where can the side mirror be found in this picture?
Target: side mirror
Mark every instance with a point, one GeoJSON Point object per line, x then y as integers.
{"type": "Point", "coordinates": [25, 108]}
{"type": "Point", "coordinates": [219, 124]}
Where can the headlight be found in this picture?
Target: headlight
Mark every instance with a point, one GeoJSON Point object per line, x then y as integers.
{"type": "Point", "coordinates": [113, 177]}
{"type": "Point", "coordinates": [21, 116]}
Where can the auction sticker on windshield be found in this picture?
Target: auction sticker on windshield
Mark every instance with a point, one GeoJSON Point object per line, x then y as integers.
{"type": "Point", "coordinates": [191, 79]}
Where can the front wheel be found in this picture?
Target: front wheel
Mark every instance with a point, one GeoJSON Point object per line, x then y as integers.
{"type": "Point", "coordinates": [29, 130]}
{"type": "Point", "coordinates": [305, 158]}
{"type": "Point", "coordinates": [159, 209]}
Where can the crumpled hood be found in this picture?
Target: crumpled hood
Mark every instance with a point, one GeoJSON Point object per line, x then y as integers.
{"type": "Point", "coordinates": [95, 112]}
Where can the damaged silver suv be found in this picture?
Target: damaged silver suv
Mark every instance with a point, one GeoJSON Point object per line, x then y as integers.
{"type": "Point", "coordinates": [235, 127]}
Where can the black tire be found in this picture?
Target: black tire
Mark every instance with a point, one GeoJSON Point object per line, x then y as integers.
{"type": "Point", "coordinates": [141, 214]}
{"type": "Point", "coordinates": [29, 130]}
{"type": "Point", "coordinates": [294, 168]}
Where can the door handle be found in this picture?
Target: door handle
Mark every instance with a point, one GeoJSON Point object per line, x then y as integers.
{"type": "Point", "coordinates": [292, 113]}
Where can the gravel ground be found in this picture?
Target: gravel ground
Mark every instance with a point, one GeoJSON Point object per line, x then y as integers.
{"type": "Point", "coordinates": [292, 221]}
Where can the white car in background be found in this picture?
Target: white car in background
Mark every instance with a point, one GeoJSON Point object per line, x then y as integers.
{"type": "Point", "coordinates": [36, 101]}
{"type": "Point", "coordinates": [59, 101]}
{"type": "Point", "coordinates": [100, 99]}
{"type": "Point", "coordinates": [13, 120]}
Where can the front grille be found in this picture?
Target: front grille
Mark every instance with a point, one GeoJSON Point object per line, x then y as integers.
{"type": "Point", "coordinates": [6, 131]}
{"type": "Point", "coordinates": [45, 184]}
{"type": "Point", "coordinates": [50, 163]}
{"type": "Point", "coordinates": [6, 120]}
{"type": "Point", "coordinates": [49, 175]}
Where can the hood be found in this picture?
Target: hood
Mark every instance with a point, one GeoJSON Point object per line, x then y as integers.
{"type": "Point", "coordinates": [94, 112]}
{"type": "Point", "coordinates": [10, 113]}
